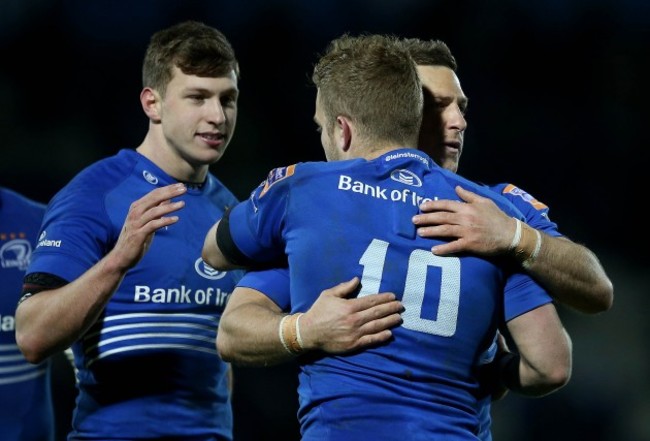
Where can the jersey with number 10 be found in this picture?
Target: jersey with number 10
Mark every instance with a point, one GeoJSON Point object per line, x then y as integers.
{"type": "Point", "coordinates": [351, 218]}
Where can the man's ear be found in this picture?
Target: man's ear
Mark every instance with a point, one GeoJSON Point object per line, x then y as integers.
{"type": "Point", "coordinates": [150, 100]}
{"type": "Point", "coordinates": [344, 133]}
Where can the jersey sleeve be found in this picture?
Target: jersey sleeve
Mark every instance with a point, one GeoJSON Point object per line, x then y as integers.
{"type": "Point", "coordinates": [522, 294]}
{"type": "Point", "coordinates": [75, 235]}
{"type": "Point", "coordinates": [535, 212]}
{"type": "Point", "coordinates": [273, 283]}
{"type": "Point", "coordinates": [255, 226]}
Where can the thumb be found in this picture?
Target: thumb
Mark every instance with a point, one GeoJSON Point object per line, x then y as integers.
{"type": "Point", "coordinates": [345, 289]}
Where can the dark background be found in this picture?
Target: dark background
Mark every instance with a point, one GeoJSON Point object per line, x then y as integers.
{"type": "Point", "coordinates": [558, 105]}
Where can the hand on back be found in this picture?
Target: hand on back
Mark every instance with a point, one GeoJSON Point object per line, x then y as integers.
{"type": "Point", "coordinates": [476, 225]}
{"type": "Point", "coordinates": [337, 324]}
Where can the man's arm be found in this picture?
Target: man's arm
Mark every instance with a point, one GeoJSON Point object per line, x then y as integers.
{"type": "Point", "coordinates": [212, 254]}
{"type": "Point", "coordinates": [570, 272]}
{"type": "Point", "coordinates": [50, 320]}
{"type": "Point", "coordinates": [543, 360]}
{"type": "Point", "coordinates": [219, 250]}
{"type": "Point", "coordinates": [251, 325]}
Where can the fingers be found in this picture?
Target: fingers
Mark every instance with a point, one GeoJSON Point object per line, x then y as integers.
{"type": "Point", "coordinates": [440, 231]}
{"type": "Point", "coordinates": [440, 205]}
{"type": "Point", "coordinates": [152, 209]}
{"type": "Point", "coordinates": [159, 195]}
{"type": "Point", "coordinates": [378, 311]}
{"type": "Point", "coordinates": [445, 249]}
{"type": "Point", "coordinates": [451, 205]}
{"type": "Point", "coordinates": [377, 323]}
{"type": "Point", "coordinates": [345, 289]}
{"type": "Point", "coordinates": [467, 195]}
{"type": "Point", "coordinates": [437, 218]}
{"type": "Point", "coordinates": [374, 339]}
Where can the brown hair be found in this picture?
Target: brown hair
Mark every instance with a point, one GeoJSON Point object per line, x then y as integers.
{"type": "Point", "coordinates": [374, 82]}
{"type": "Point", "coordinates": [194, 47]}
{"type": "Point", "coordinates": [429, 52]}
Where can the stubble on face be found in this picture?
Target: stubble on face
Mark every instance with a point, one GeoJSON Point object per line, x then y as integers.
{"type": "Point", "coordinates": [443, 123]}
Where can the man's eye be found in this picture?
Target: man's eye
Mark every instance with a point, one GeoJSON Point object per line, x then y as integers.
{"type": "Point", "coordinates": [229, 101]}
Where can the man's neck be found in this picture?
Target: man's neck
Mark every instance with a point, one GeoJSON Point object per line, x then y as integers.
{"type": "Point", "coordinates": [159, 152]}
{"type": "Point", "coordinates": [377, 152]}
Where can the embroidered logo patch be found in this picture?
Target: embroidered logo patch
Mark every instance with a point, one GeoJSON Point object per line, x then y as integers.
{"type": "Point", "coordinates": [206, 271]}
{"type": "Point", "coordinates": [516, 191]}
{"type": "Point", "coordinates": [16, 254]}
{"type": "Point", "coordinates": [149, 177]}
{"type": "Point", "coordinates": [276, 175]}
{"type": "Point", "coordinates": [406, 177]}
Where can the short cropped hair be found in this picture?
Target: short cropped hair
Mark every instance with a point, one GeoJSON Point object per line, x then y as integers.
{"type": "Point", "coordinates": [374, 82]}
{"type": "Point", "coordinates": [429, 52]}
{"type": "Point", "coordinates": [194, 47]}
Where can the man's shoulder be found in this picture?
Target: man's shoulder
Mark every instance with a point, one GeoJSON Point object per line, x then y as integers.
{"type": "Point", "coordinates": [105, 172]}
{"type": "Point", "coordinates": [14, 201]}
{"type": "Point", "coordinates": [517, 196]}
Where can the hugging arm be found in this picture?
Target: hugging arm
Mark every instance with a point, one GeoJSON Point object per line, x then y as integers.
{"type": "Point", "coordinates": [570, 272]}
{"type": "Point", "coordinates": [542, 362]}
{"type": "Point", "coordinates": [250, 327]}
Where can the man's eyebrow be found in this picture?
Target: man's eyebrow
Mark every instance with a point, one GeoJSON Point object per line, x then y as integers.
{"type": "Point", "coordinates": [206, 91]}
{"type": "Point", "coordinates": [462, 101]}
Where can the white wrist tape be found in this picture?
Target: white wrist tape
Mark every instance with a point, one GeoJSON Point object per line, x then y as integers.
{"type": "Point", "coordinates": [517, 238]}
{"type": "Point", "coordinates": [538, 246]}
{"type": "Point", "coordinates": [281, 333]}
{"type": "Point", "coordinates": [298, 336]}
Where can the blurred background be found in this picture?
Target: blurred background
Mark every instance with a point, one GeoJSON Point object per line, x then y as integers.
{"type": "Point", "coordinates": [558, 106]}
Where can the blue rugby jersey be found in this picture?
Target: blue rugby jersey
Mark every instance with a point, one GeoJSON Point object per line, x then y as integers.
{"type": "Point", "coordinates": [148, 368]}
{"type": "Point", "coordinates": [535, 212]}
{"type": "Point", "coordinates": [353, 218]}
{"type": "Point", "coordinates": [536, 215]}
{"type": "Point", "coordinates": [26, 412]}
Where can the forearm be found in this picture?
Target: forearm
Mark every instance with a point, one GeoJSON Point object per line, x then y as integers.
{"type": "Point", "coordinates": [572, 274]}
{"type": "Point", "coordinates": [251, 325]}
{"type": "Point", "coordinates": [249, 335]}
{"type": "Point", "coordinates": [51, 320]}
{"type": "Point", "coordinates": [518, 376]}
{"type": "Point", "coordinates": [543, 359]}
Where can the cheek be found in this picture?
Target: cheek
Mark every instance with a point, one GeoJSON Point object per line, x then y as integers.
{"type": "Point", "coordinates": [231, 115]}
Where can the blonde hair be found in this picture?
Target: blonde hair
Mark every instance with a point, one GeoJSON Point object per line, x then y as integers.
{"type": "Point", "coordinates": [373, 81]}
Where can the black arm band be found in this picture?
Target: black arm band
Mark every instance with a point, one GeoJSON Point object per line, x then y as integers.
{"type": "Point", "coordinates": [36, 282]}
{"type": "Point", "coordinates": [227, 245]}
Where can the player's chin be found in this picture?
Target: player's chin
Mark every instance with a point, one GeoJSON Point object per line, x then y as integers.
{"type": "Point", "coordinates": [208, 155]}
{"type": "Point", "coordinates": [451, 163]}
{"type": "Point", "coordinates": [213, 151]}
{"type": "Point", "coordinates": [215, 155]}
